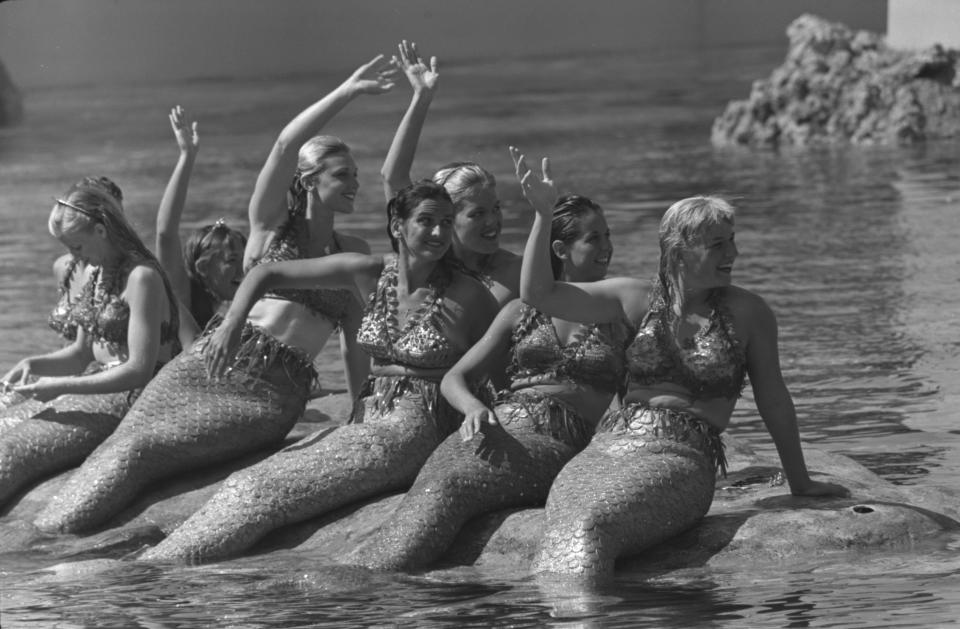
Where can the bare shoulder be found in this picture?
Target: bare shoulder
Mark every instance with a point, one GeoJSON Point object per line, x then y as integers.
{"type": "Point", "coordinates": [145, 277]}
{"type": "Point", "coordinates": [473, 297]}
{"type": "Point", "coordinates": [353, 244]}
{"type": "Point", "coordinates": [747, 306]}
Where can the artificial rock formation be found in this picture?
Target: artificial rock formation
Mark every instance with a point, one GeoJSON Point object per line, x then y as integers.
{"type": "Point", "coordinates": [838, 85]}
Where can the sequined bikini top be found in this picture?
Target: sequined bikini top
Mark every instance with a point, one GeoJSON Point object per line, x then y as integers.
{"type": "Point", "coordinates": [594, 356]}
{"type": "Point", "coordinates": [103, 313]}
{"type": "Point", "coordinates": [292, 243]}
{"type": "Point", "coordinates": [61, 317]}
{"type": "Point", "coordinates": [420, 342]}
{"type": "Point", "coordinates": [709, 365]}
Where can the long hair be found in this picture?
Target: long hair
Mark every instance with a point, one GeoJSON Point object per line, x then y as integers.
{"type": "Point", "coordinates": [681, 227]}
{"type": "Point", "coordinates": [566, 225]}
{"type": "Point", "coordinates": [86, 205]}
{"type": "Point", "coordinates": [201, 244]}
{"type": "Point", "coordinates": [310, 163]}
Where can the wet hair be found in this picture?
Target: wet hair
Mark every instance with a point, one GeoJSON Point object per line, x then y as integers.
{"type": "Point", "coordinates": [401, 206]}
{"type": "Point", "coordinates": [566, 225]}
{"type": "Point", "coordinates": [106, 184]}
{"type": "Point", "coordinates": [309, 164]}
{"type": "Point", "coordinates": [460, 178]}
{"type": "Point", "coordinates": [200, 245]}
{"type": "Point", "coordinates": [88, 204]}
{"type": "Point", "coordinates": [682, 227]}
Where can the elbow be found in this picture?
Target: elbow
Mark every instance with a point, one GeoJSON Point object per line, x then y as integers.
{"type": "Point", "coordinates": [448, 384]}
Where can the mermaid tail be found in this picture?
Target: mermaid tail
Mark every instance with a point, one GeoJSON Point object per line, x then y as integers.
{"type": "Point", "coordinates": [54, 437]}
{"type": "Point", "coordinates": [641, 480]}
{"type": "Point", "coordinates": [508, 467]}
{"type": "Point", "coordinates": [309, 478]}
{"type": "Point", "coordinates": [16, 409]}
{"type": "Point", "coordinates": [182, 421]}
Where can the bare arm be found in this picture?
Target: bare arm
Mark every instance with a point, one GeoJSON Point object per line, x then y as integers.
{"type": "Point", "coordinates": [775, 404]}
{"type": "Point", "coordinates": [487, 356]}
{"type": "Point", "coordinates": [423, 79]}
{"type": "Point", "coordinates": [169, 250]}
{"type": "Point", "coordinates": [268, 203]}
{"type": "Point", "coordinates": [590, 302]}
{"type": "Point", "coordinates": [341, 270]}
{"type": "Point", "coordinates": [66, 361]}
{"type": "Point", "coordinates": [356, 362]}
{"type": "Point", "coordinates": [146, 297]}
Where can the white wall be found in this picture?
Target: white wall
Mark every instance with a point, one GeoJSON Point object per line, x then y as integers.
{"type": "Point", "coordinates": [922, 23]}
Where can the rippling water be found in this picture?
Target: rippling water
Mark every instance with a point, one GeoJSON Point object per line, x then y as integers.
{"type": "Point", "coordinates": [854, 248]}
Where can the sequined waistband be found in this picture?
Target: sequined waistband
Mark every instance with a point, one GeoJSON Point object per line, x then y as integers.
{"type": "Point", "coordinates": [262, 356]}
{"type": "Point", "coordinates": [548, 415]}
{"type": "Point", "coordinates": [384, 391]}
{"type": "Point", "coordinates": [668, 423]}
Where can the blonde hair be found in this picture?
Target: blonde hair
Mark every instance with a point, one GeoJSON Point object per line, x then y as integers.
{"type": "Point", "coordinates": [460, 178]}
{"type": "Point", "coordinates": [681, 227]}
{"type": "Point", "coordinates": [309, 164]}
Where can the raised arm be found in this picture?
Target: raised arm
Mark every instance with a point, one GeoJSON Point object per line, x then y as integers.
{"type": "Point", "coordinates": [774, 402]}
{"type": "Point", "coordinates": [423, 79]}
{"type": "Point", "coordinates": [268, 203]}
{"type": "Point", "coordinates": [169, 250]}
{"type": "Point", "coordinates": [355, 271]}
{"type": "Point", "coordinates": [487, 357]}
{"type": "Point", "coordinates": [591, 302]}
{"type": "Point", "coordinates": [146, 297]}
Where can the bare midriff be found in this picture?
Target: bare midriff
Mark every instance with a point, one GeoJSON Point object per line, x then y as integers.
{"type": "Point", "coordinates": [714, 411]}
{"type": "Point", "coordinates": [292, 324]}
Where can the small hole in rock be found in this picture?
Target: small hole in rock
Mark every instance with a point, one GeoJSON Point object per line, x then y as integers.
{"type": "Point", "coordinates": [862, 509]}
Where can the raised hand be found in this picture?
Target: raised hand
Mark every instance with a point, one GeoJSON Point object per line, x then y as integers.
{"type": "Point", "coordinates": [374, 77]}
{"type": "Point", "coordinates": [422, 77]}
{"type": "Point", "coordinates": [474, 421]}
{"type": "Point", "coordinates": [184, 130]}
{"type": "Point", "coordinates": [541, 191]}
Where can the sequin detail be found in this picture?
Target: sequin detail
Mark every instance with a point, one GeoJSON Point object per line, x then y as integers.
{"type": "Point", "coordinates": [421, 342]}
{"type": "Point", "coordinates": [593, 357]}
{"type": "Point", "coordinates": [711, 364]}
{"type": "Point", "coordinates": [61, 318]}
{"type": "Point", "coordinates": [546, 414]}
{"type": "Point", "coordinates": [105, 315]}
{"type": "Point", "coordinates": [650, 423]}
{"type": "Point", "coordinates": [260, 356]}
{"type": "Point", "coordinates": [292, 242]}
{"type": "Point", "coordinates": [383, 393]}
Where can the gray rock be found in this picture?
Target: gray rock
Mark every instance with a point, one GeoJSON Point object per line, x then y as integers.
{"type": "Point", "coordinates": [838, 86]}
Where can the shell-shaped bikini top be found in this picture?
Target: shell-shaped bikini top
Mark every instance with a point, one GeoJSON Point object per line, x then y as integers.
{"type": "Point", "coordinates": [292, 243]}
{"type": "Point", "coordinates": [594, 356]}
{"type": "Point", "coordinates": [420, 342]}
{"type": "Point", "coordinates": [711, 364]}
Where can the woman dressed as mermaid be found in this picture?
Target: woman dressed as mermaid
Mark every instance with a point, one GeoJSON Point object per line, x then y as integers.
{"type": "Point", "coordinates": [422, 315]}
{"type": "Point", "coordinates": [560, 378]}
{"type": "Point", "coordinates": [649, 472]}
{"type": "Point", "coordinates": [185, 419]}
{"type": "Point", "coordinates": [124, 323]}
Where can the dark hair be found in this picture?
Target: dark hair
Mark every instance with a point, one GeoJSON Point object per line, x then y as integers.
{"type": "Point", "coordinates": [201, 243]}
{"type": "Point", "coordinates": [406, 200]}
{"type": "Point", "coordinates": [568, 213]}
